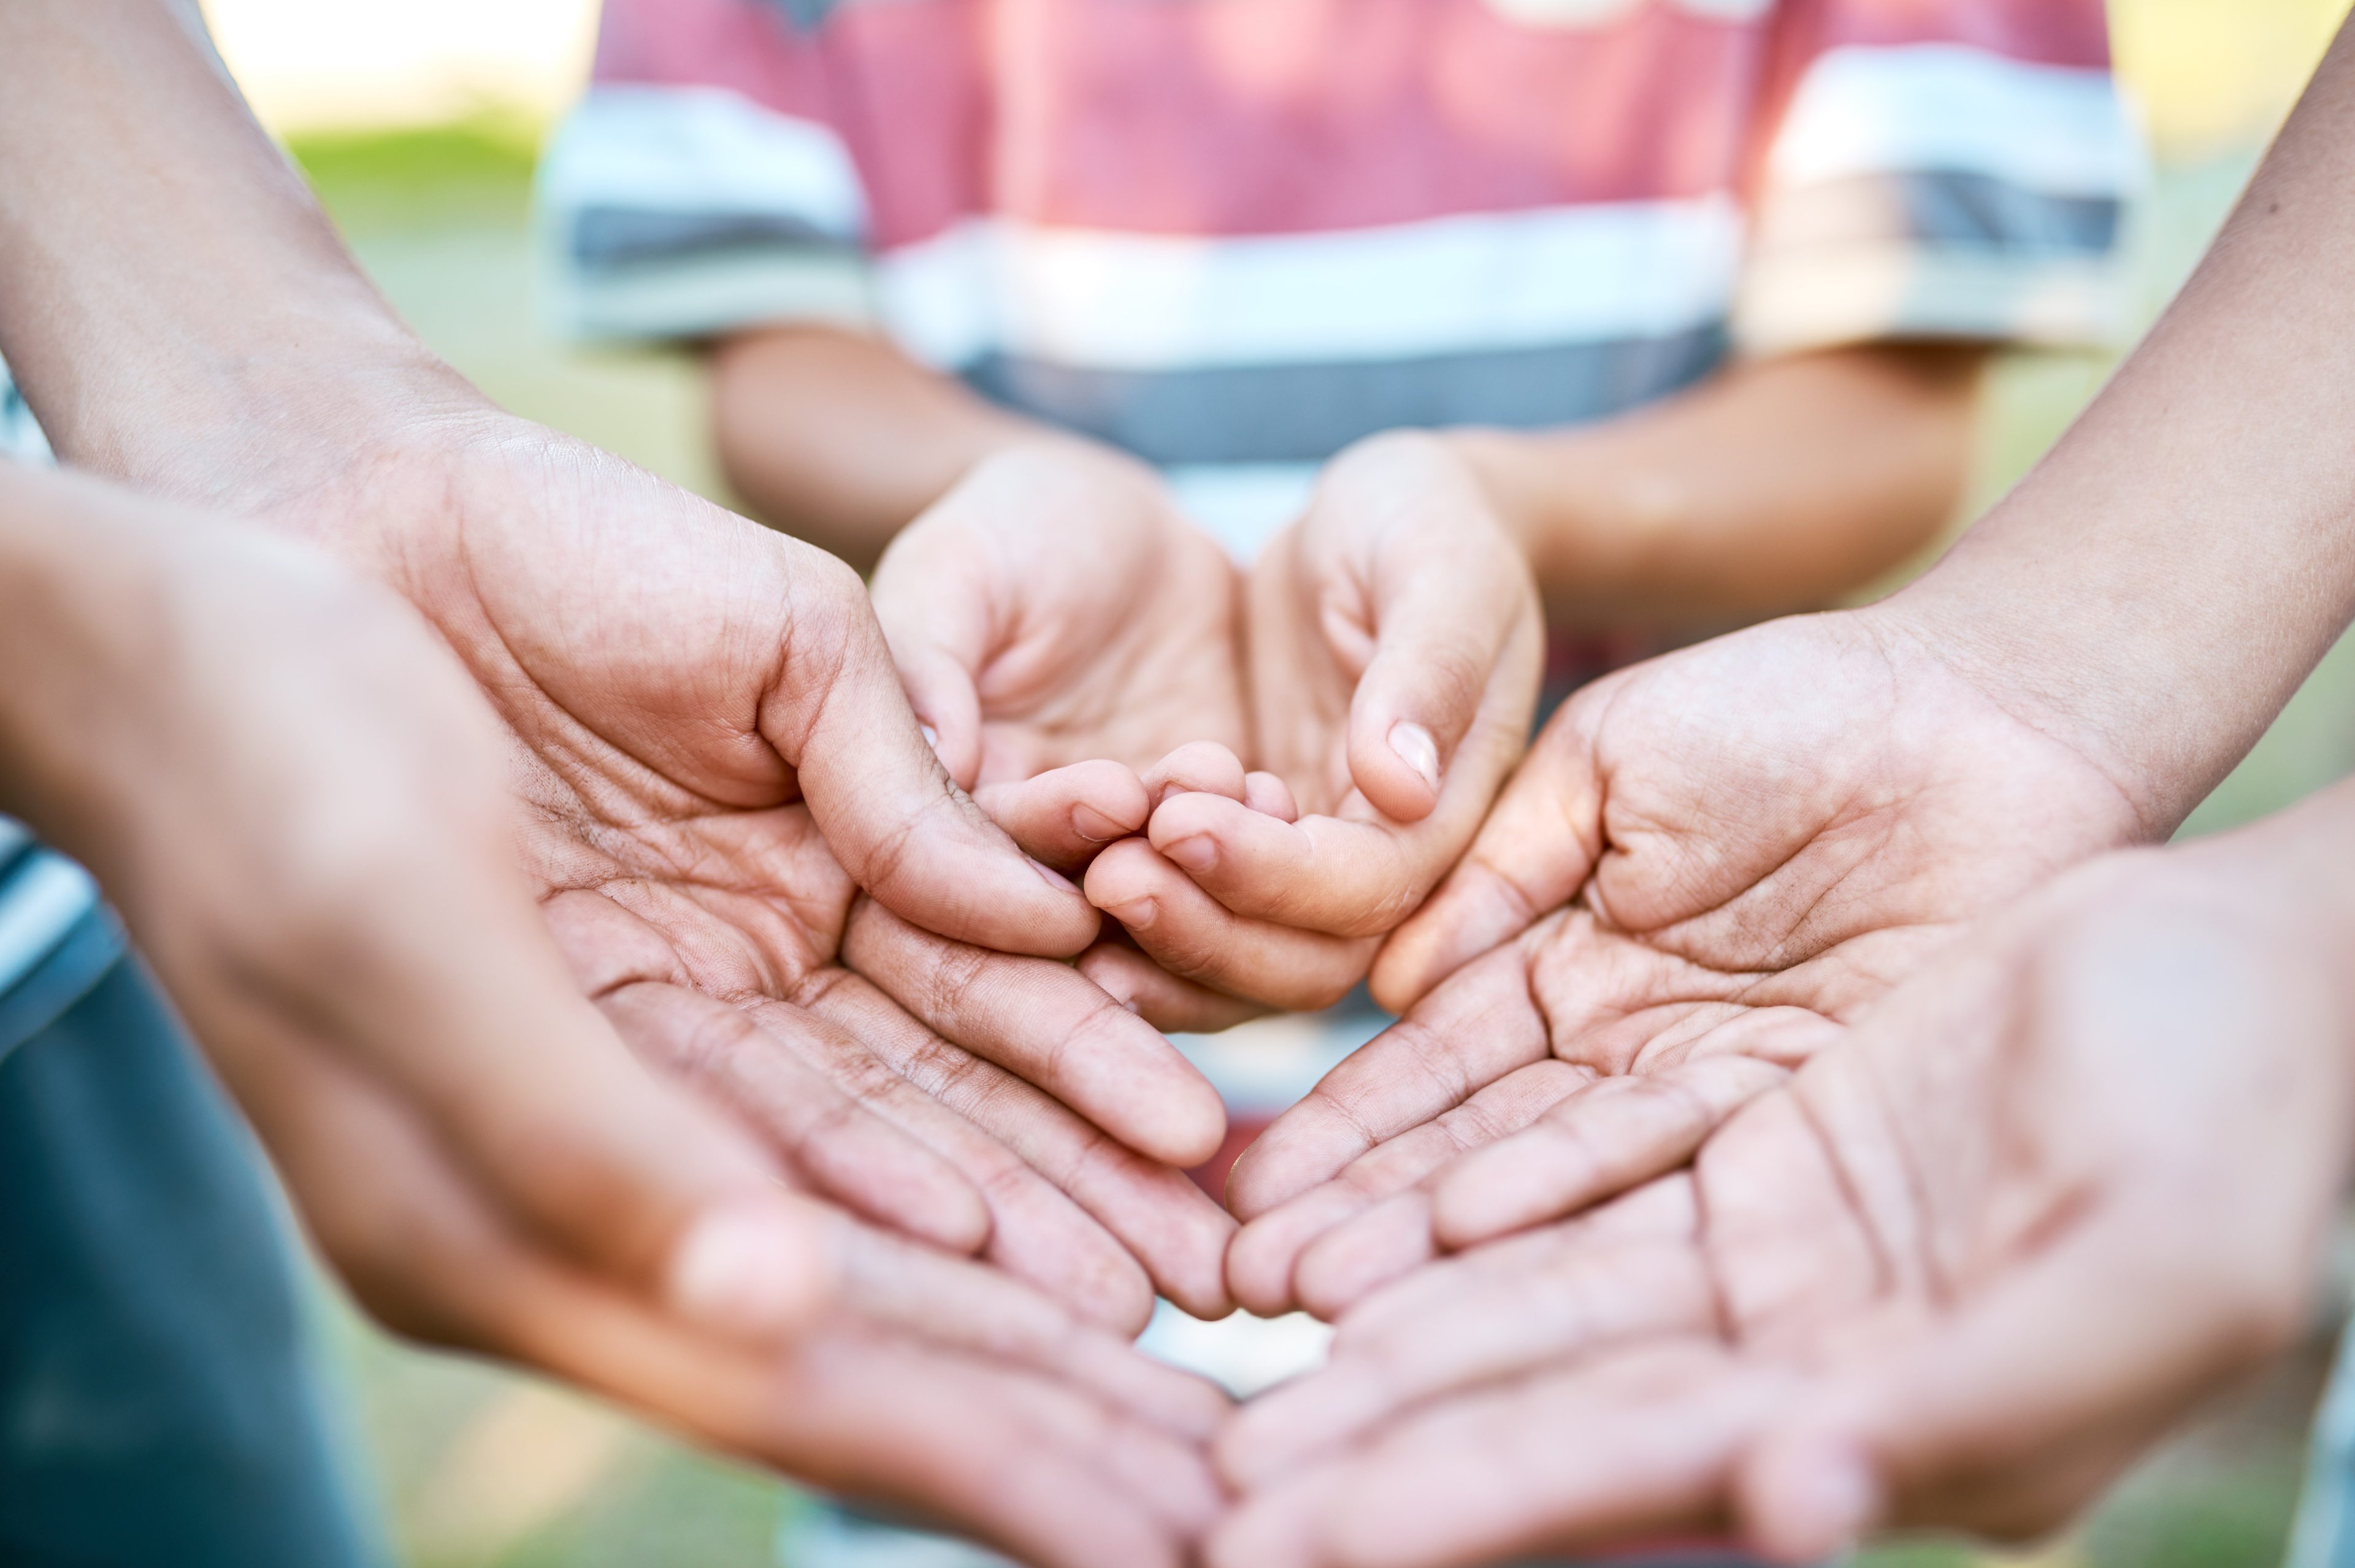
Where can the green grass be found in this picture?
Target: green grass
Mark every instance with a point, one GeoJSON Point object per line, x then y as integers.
{"type": "Point", "coordinates": [476, 171]}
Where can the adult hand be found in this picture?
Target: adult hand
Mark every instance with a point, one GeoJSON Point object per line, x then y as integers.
{"type": "Point", "coordinates": [1395, 647]}
{"type": "Point", "coordinates": [942, 1387]}
{"type": "Point", "coordinates": [1960, 1270]}
{"type": "Point", "coordinates": [707, 726]}
{"type": "Point", "coordinates": [329, 890]}
{"type": "Point", "coordinates": [1709, 864]}
{"type": "Point", "coordinates": [294, 795]}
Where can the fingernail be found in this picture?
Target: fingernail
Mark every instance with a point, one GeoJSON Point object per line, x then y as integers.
{"type": "Point", "coordinates": [1054, 879]}
{"type": "Point", "coordinates": [932, 736]}
{"type": "Point", "coordinates": [1196, 855]}
{"type": "Point", "coordinates": [1095, 826]}
{"type": "Point", "coordinates": [1137, 915]}
{"type": "Point", "coordinates": [751, 1272]}
{"type": "Point", "coordinates": [1418, 750]}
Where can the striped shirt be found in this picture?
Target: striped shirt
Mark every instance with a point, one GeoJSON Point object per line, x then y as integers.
{"type": "Point", "coordinates": [1231, 236]}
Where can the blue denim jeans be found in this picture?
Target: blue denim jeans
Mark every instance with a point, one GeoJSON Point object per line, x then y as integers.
{"type": "Point", "coordinates": [158, 1404]}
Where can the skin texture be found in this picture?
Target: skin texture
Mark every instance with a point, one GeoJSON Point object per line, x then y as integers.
{"type": "Point", "coordinates": [1985, 1243]}
{"type": "Point", "coordinates": [1741, 846]}
{"type": "Point", "coordinates": [701, 717]}
{"type": "Point", "coordinates": [1958, 1270]}
{"type": "Point", "coordinates": [1735, 849]}
{"type": "Point", "coordinates": [330, 891]}
{"type": "Point", "coordinates": [1079, 652]}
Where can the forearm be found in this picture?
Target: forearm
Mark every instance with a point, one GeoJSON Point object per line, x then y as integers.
{"type": "Point", "coordinates": [1777, 485]}
{"type": "Point", "coordinates": [2161, 583]}
{"type": "Point", "coordinates": [174, 304]}
{"type": "Point", "coordinates": [838, 438]}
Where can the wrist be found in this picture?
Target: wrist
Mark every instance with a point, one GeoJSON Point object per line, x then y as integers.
{"type": "Point", "coordinates": [1593, 526]}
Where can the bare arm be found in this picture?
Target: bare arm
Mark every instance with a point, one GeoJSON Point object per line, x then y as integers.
{"type": "Point", "coordinates": [1777, 485]}
{"type": "Point", "coordinates": [838, 438]}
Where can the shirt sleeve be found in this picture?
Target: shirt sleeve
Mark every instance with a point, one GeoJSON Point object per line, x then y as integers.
{"type": "Point", "coordinates": [1939, 169]}
{"type": "Point", "coordinates": [705, 182]}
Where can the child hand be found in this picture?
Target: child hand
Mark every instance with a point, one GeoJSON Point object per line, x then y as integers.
{"type": "Point", "coordinates": [1394, 652]}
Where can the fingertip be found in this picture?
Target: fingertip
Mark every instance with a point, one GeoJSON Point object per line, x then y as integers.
{"type": "Point", "coordinates": [757, 1270]}
{"type": "Point", "coordinates": [1397, 769]}
{"type": "Point", "coordinates": [1271, 1529]}
{"type": "Point", "coordinates": [1066, 815]}
{"type": "Point", "coordinates": [1807, 1498]}
{"type": "Point", "coordinates": [947, 709]}
{"type": "Point", "coordinates": [1128, 874]}
{"type": "Point", "coordinates": [1203, 767]}
{"type": "Point", "coordinates": [1270, 796]}
{"type": "Point", "coordinates": [1471, 912]}
{"type": "Point", "coordinates": [1353, 1260]}
{"type": "Point", "coordinates": [1259, 1272]}
{"type": "Point", "coordinates": [1181, 1121]}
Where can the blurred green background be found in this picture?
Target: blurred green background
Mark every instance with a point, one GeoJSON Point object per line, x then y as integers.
{"type": "Point", "coordinates": [477, 1468]}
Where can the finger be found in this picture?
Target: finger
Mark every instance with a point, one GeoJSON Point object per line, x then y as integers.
{"type": "Point", "coordinates": [1198, 765]}
{"type": "Point", "coordinates": [936, 617]}
{"type": "Point", "coordinates": [1264, 792]}
{"type": "Point", "coordinates": [1659, 1215]}
{"type": "Point", "coordinates": [941, 691]}
{"type": "Point", "coordinates": [1189, 933]}
{"type": "Point", "coordinates": [1368, 1225]}
{"type": "Point", "coordinates": [532, 1089]}
{"type": "Point", "coordinates": [1602, 1140]}
{"type": "Point", "coordinates": [1037, 1232]}
{"type": "Point", "coordinates": [899, 826]}
{"type": "Point", "coordinates": [2006, 1415]}
{"type": "Point", "coordinates": [1031, 1465]}
{"type": "Point", "coordinates": [1049, 1025]}
{"type": "Point", "coordinates": [1065, 816]}
{"type": "Point", "coordinates": [968, 1306]}
{"type": "Point", "coordinates": [1531, 855]}
{"type": "Point", "coordinates": [1456, 632]}
{"type": "Point", "coordinates": [1085, 1217]}
{"type": "Point", "coordinates": [1571, 1297]}
{"type": "Point", "coordinates": [1320, 873]}
{"type": "Point", "coordinates": [847, 1152]}
{"type": "Point", "coordinates": [1639, 1444]}
{"type": "Point", "coordinates": [928, 1428]}
{"type": "Point", "coordinates": [1159, 997]}
{"type": "Point", "coordinates": [1467, 1036]}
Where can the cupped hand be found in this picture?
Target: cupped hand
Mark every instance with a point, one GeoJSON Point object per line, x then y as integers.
{"type": "Point", "coordinates": [1395, 648]}
{"type": "Point", "coordinates": [330, 891]}
{"type": "Point", "coordinates": [1708, 867]}
{"type": "Point", "coordinates": [1074, 647]}
{"type": "Point", "coordinates": [1958, 1271]}
{"type": "Point", "coordinates": [707, 728]}
{"type": "Point", "coordinates": [1061, 629]}
{"type": "Point", "coordinates": [294, 797]}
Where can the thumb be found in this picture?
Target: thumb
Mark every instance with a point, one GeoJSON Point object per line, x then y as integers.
{"type": "Point", "coordinates": [1456, 619]}
{"type": "Point", "coordinates": [2008, 1413]}
{"type": "Point", "coordinates": [937, 624]}
{"type": "Point", "coordinates": [890, 811]}
{"type": "Point", "coordinates": [1529, 857]}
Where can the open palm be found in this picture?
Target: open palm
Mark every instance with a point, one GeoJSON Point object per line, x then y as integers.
{"type": "Point", "coordinates": [708, 731]}
{"type": "Point", "coordinates": [1960, 1270]}
{"type": "Point", "coordinates": [1707, 866]}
